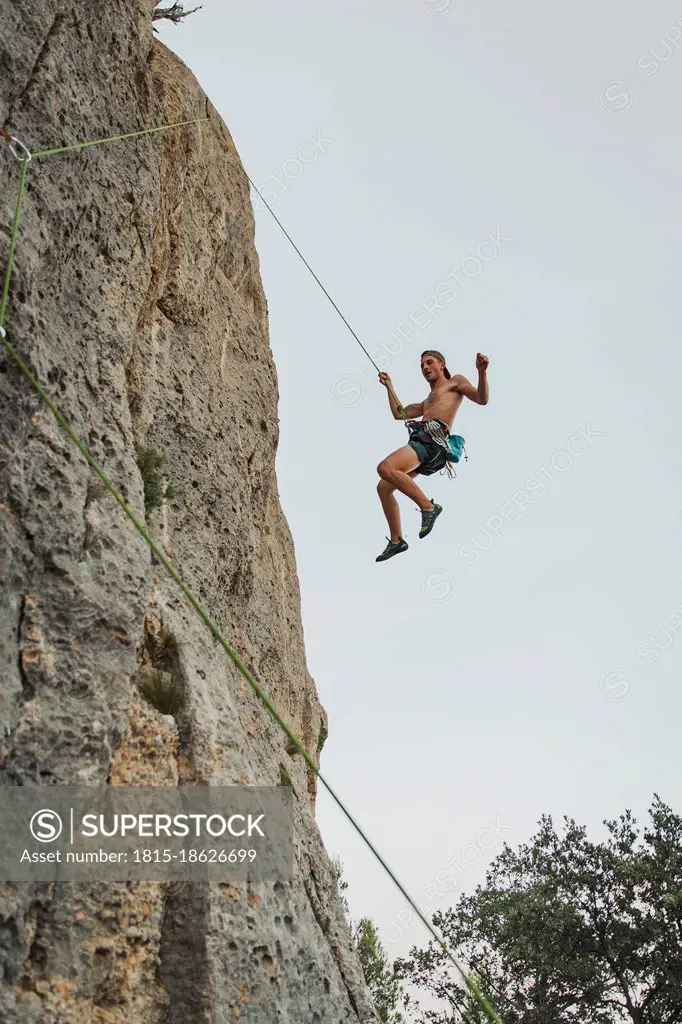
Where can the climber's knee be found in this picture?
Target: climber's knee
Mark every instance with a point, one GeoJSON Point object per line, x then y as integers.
{"type": "Point", "coordinates": [385, 471]}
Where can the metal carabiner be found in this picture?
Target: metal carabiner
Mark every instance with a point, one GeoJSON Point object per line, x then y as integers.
{"type": "Point", "coordinates": [20, 151]}
{"type": "Point", "coordinates": [17, 147]}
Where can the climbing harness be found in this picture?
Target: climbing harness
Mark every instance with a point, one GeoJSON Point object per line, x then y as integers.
{"type": "Point", "coordinates": [24, 156]}
{"type": "Point", "coordinates": [435, 431]}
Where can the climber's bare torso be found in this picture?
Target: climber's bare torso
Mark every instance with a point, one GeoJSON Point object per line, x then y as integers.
{"type": "Point", "coordinates": [446, 392]}
{"type": "Point", "coordinates": [443, 402]}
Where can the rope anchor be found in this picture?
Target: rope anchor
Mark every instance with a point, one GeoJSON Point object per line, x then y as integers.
{"type": "Point", "coordinates": [17, 147]}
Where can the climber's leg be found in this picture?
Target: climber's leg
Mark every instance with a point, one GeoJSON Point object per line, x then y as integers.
{"type": "Point", "coordinates": [398, 470]}
{"type": "Point", "coordinates": [391, 509]}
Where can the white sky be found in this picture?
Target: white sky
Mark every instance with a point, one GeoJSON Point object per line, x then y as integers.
{"type": "Point", "coordinates": [487, 704]}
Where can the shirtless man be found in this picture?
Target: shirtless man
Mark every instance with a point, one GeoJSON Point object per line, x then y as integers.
{"type": "Point", "coordinates": [425, 452]}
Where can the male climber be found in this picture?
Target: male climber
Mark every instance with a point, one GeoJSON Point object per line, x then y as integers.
{"type": "Point", "coordinates": [426, 452]}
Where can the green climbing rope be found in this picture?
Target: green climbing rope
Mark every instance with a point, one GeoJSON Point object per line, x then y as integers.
{"type": "Point", "coordinates": [116, 138]}
{"type": "Point", "coordinates": [13, 241]}
{"type": "Point", "coordinates": [203, 614]}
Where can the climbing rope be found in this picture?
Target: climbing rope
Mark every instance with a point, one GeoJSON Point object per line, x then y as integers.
{"type": "Point", "coordinates": [24, 156]}
{"type": "Point", "coordinates": [401, 410]}
{"type": "Point", "coordinates": [4, 299]}
{"type": "Point", "coordinates": [116, 138]}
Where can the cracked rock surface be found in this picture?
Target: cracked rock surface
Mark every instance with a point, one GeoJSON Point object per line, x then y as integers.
{"type": "Point", "coordinates": [137, 300]}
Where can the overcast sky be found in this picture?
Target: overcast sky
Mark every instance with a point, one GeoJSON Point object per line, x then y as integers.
{"type": "Point", "coordinates": [507, 665]}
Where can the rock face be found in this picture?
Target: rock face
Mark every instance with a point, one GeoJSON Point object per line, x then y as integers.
{"type": "Point", "coordinates": [137, 299]}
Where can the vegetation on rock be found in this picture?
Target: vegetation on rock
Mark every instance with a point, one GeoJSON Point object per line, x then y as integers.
{"type": "Point", "coordinates": [151, 465]}
{"type": "Point", "coordinates": [568, 930]}
{"type": "Point", "coordinates": [175, 13]}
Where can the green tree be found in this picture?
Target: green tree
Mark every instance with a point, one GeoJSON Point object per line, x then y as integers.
{"type": "Point", "coordinates": [384, 986]}
{"type": "Point", "coordinates": [569, 931]}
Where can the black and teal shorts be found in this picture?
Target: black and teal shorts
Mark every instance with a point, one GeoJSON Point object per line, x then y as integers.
{"type": "Point", "coordinates": [432, 456]}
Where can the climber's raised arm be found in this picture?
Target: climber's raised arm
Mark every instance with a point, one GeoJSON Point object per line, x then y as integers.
{"type": "Point", "coordinates": [409, 410]}
{"type": "Point", "coordinates": [479, 394]}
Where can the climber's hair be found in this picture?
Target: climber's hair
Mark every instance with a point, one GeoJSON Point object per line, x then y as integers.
{"type": "Point", "coordinates": [438, 355]}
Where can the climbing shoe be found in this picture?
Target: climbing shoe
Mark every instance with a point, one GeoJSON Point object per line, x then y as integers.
{"type": "Point", "coordinates": [429, 518]}
{"type": "Point", "coordinates": [391, 549]}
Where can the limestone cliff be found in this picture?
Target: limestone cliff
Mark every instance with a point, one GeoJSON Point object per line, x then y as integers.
{"type": "Point", "coordinates": [137, 298]}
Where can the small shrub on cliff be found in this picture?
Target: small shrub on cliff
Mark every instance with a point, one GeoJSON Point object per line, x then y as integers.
{"type": "Point", "coordinates": [161, 690]}
{"type": "Point", "coordinates": [322, 738]}
{"type": "Point", "coordinates": [165, 650]}
{"type": "Point", "coordinates": [175, 13]}
{"type": "Point", "coordinates": [151, 465]}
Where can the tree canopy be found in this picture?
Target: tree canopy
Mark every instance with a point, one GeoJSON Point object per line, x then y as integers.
{"type": "Point", "coordinates": [568, 931]}
{"type": "Point", "coordinates": [382, 982]}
